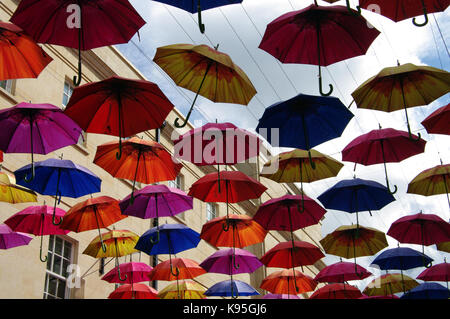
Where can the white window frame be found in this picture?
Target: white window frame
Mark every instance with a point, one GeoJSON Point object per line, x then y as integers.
{"type": "Point", "coordinates": [66, 95]}
{"type": "Point", "coordinates": [211, 211]}
{"type": "Point", "coordinates": [8, 86]}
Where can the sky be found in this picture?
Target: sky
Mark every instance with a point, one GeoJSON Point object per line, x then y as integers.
{"type": "Point", "coordinates": [239, 28]}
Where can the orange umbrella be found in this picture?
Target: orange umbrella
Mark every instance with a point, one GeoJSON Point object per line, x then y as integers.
{"type": "Point", "coordinates": [99, 212]}
{"type": "Point", "coordinates": [285, 281]}
{"type": "Point", "coordinates": [144, 161]}
{"type": "Point", "coordinates": [20, 56]}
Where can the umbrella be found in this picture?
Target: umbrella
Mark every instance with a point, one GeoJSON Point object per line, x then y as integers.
{"type": "Point", "coordinates": [389, 284]}
{"type": "Point", "coordinates": [401, 87]}
{"type": "Point", "coordinates": [432, 181]}
{"type": "Point", "coordinates": [341, 272]}
{"type": "Point", "coordinates": [36, 128]}
{"type": "Point", "coordinates": [99, 212]}
{"type": "Point", "coordinates": [184, 289]}
{"type": "Point", "coordinates": [119, 107]}
{"type": "Point", "coordinates": [10, 239]}
{"type": "Point", "coordinates": [206, 71]}
{"type": "Point", "coordinates": [21, 57]}
{"type": "Point", "coordinates": [144, 161]}
{"type": "Point", "coordinates": [238, 187]}
{"type": "Point", "coordinates": [353, 241]}
{"type": "Point", "coordinates": [36, 220]}
{"type": "Point", "coordinates": [421, 229]}
{"type": "Point", "coordinates": [403, 9]}
{"type": "Point", "coordinates": [198, 6]}
{"type": "Point", "coordinates": [12, 193]}
{"type": "Point", "coordinates": [437, 122]}
{"type": "Point", "coordinates": [315, 35]}
{"type": "Point", "coordinates": [288, 280]}
{"type": "Point", "coordinates": [304, 122]}
{"type": "Point", "coordinates": [356, 195]}
{"type": "Point", "coordinates": [231, 288]}
{"type": "Point", "coordinates": [59, 178]}
{"type": "Point", "coordinates": [445, 246]}
{"type": "Point", "coordinates": [280, 296]}
{"type": "Point", "coordinates": [382, 146]}
{"type": "Point", "coordinates": [134, 291]}
{"type": "Point", "coordinates": [337, 291]}
{"type": "Point", "coordinates": [439, 272]}
{"type": "Point", "coordinates": [118, 243]}
{"type": "Point", "coordinates": [379, 297]}
{"type": "Point", "coordinates": [135, 271]}
{"type": "Point", "coordinates": [401, 258]}
{"type": "Point", "coordinates": [427, 290]}
{"type": "Point", "coordinates": [83, 25]}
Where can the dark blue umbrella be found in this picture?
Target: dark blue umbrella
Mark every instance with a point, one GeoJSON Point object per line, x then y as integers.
{"type": "Point", "coordinates": [56, 177]}
{"type": "Point", "coordinates": [231, 288]}
{"type": "Point", "coordinates": [193, 6]}
{"type": "Point", "coordinates": [356, 195]}
{"type": "Point", "coordinates": [305, 121]}
{"type": "Point", "coordinates": [427, 290]}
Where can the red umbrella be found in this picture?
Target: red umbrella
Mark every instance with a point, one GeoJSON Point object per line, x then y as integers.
{"type": "Point", "coordinates": [238, 187]}
{"type": "Point", "coordinates": [421, 229]}
{"type": "Point", "coordinates": [134, 291]}
{"type": "Point", "coordinates": [288, 280]}
{"type": "Point", "coordinates": [437, 122]}
{"type": "Point", "coordinates": [318, 36]}
{"type": "Point", "coordinates": [135, 272]}
{"type": "Point", "coordinates": [286, 255]}
{"type": "Point", "coordinates": [382, 146]}
{"type": "Point", "coordinates": [118, 107]}
{"type": "Point", "coordinates": [342, 272]}
{"type": "Point", "coordinates": [439, 272]}
{"type": "Point", "coordinates": [81, 24]}
{"type": "Point", "coordinates": [337, 291]}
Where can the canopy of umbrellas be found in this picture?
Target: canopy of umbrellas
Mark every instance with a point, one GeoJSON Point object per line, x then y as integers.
{"type": "Point", "coordinates": [110, 107]}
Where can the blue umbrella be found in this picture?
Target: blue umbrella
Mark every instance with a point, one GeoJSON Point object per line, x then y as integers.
{"type": "Point", "coordinates": [231, 288]}
{"type": "Point", "coordinates": [428, 290]}
{"type": "Point", "coordinates": [305, 121]}
{"type": "Point", "coordinates": [59, 178]}
{"type": "Point", "coordinates": [401, 258]}
{"type": "Point", "coordinates": [356, 195]}
{"type": "Point", "coordinates": [193, 6]}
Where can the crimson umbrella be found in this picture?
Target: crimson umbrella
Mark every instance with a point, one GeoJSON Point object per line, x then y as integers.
{"type": "Point", "coordinates": [80, 24]}
{"type": "Point", "coordinates": [382, 146]}
{"type": "Point", "coordinates": [337, 291]}
{"type": "Point", "coordinates": [439, 272]}
{"type": "Point", "coordinates": [437, 122]}
{"type": "Point", "coordinates": [135, 272]}
{"type": "Point", "coordinates": [319, 36]}
{"type": "Point", "coordinates": [341, 272]}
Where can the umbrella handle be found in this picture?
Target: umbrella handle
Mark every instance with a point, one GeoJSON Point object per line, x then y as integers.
{"type": "Point", "coordinates": [77, 79]}
{"type": "Point", "coordinates": [119, 153]}
{"type": "Point", "coordinates": [226, 225]}
{"type": "Point", "coordinates": [321, 89]}
{"type": "Point", "coordinates": [358, 9]}
{"type": "Point", "coordinates": [40, 253]}
{"type": "Point", "coordinates": [33, 173]}
{"type": "Point", "coordinates": [235, 265]}
{"type": "Point", "coordinates": [200, 24]}
{"type": "Point", "coordinates": [234, 296]}
{"type": "Point", "coordinates": [177, 271]}
{"type": "Point", "coordinates": [425, 14]}
{"type": "Point", "coordinates": [157, 238]}
{"type": "Point", "coordinates": [119, 274]}
{"type": "Point", "coordinates": [57, 200]}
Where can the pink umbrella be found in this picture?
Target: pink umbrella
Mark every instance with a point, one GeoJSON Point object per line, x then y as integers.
{"type": "Point", "coordinates": [341, 272]}
{"type": "Point", "coordinates": [439, 272]}
{"type": "Point", "coordinates": [280, 296]}
{"type": "Point", "coordinates": [10, 239]}
{"type": "Point", "coordinates": [37, 220]}
{"type": "Point", "coordinates": [135, 272]}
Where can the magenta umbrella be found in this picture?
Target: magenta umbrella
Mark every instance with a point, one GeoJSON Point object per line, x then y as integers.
{"type": "Point", "coordinates": [10, 239]}
{"type": "Point", "coordinates": [221, 262]}
{"type": "Point", "coordinates": [280, 296]}
{"type": "Point", "coordinates": [342, 272]}
{"type": "Point", "coordinates": [37, 220]}
{"type": "Point", "coordinates": [135, 272]}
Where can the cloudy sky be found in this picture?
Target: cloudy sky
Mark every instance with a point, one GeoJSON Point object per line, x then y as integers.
{"type": "Point", "coordinates": [239, 29]}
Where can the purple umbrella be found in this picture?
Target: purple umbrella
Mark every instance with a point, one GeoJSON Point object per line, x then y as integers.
{"type": "Point", "coordinates": [280, 296]}
{"type": "Point", "coordinates": [36, 128]}
{"type": "Point", "coordinates": [10, 238]}
{"type": "Point", "coordinates": [221, 262]}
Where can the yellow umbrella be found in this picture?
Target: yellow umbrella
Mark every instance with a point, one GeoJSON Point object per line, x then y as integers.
{"type": "Point", "coordinates": [206, 71]}
{"type": "Point", "coordinates": [116, 243]}
{"type": "Point", "coordinates": [187, 290]}
{"type": "Point", "coordinates": [401, 87]}
{"type": "Point", "coordinates": [432, 181]}
{"type": "Point", "coordinates": [12, 193]}
{"type": "Point", "coordinates": [445, 246]}
{"type": "Point", "coordinates": [390, 284]}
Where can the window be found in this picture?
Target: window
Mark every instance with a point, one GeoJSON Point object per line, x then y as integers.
{"type": "Point", "coordinates": [211, 211]}
{"type": "Point", "coordinates": [177, 182]}
{"type": "Point", "coordinates": [67, 93]}
{"type": "Point", "coordinates": [59, 258]}
{"type": "Point", "coordinates": [6, 85]}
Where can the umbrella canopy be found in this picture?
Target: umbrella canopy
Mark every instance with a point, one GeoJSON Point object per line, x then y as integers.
{"type": "Point", "coordinates": [135, 271]}
{"type": "Point", "coordinates": [356, 195]}
{"type": "Point", "coordinates": [401, 258]}
{"type": "Point", "coordinates": [21, 57]}
{"type": "Point", "coordinates": [439, 272]}
{"type": "Point", "coordinates": [427, 290]}
{"type": "Point", "coordinates": [37, 220]}
{"type": "Point", "coordinates": [231, 288]}
{"type": "Point", "coordinates": [432, 181]}
{"type": "Point", "coordinates": [280, 296]}
{"type": "Point", "coordinates": [154, 201]}
{"type": "Point", "coordinates": [134, 291]}
{"type": "Point", "coordinates": [185, 269]}
{"type": "Point", "coordinates": [221, 262]}
{"type": "Point", "coordinates": [13, 194]}
{"type": "Point", "coordinates": [10, 239]}
{"type": "Point", "coordinates": [437, 122]}
{"type": "Point", "coordinates": [83, 25]}
{"type": "Point", "coordinates": [59, 178]}
{"type": "Point", "coordinates": [341, 272]}
{"type": "Point", "coordinates": [445, 246]}
{"type": "Point", "coordinates": [183, 289]}
{"type": "Point", "coordinates": [288, 281]}
{"type": "Point", "coordinates": [206, 71]}
{"type": "Point", "coordinates": [382, 146]}
{"type": "Point", "coordinates": [337, 291]}
{"type": "Point", "coordinates": [390, 284]}
{"type": "Point", "coordinates": [36, 128]}
{"type": "Point", "coordinates": [401, 87]}
{"type": "Point", "coordinates": [379, 297]}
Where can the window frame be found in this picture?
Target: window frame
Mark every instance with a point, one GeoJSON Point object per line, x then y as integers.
{"type": "Point", "coordinates": [208, 211]}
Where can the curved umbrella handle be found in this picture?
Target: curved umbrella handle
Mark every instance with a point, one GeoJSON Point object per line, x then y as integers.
{"type": "Point", "coordinates": [234, 296]}
{"type": "Point", "coordinates": [321, 89]}
{"type": "Point", "coordinates": [57, 200]}
{"type": "Point", "coordinates": [226, 225]}
{"type": "Point", "coordinates": [33, 173]}
{"type": "Point", "coordinates": [40, 252]}
{"type": "Point", "coordinates": [419, 136]}
{"type": "Point", "coordinates": [119, 153]}
{"type": "Point", "coordinates": [235, 265]}
{"type": "Point", "coordinates": [119, 274]}
{"type": "Point", "coordinates": [177, 271]}
{"type": "Point", "coordinates": [425, 14]}
{"type": "Point", "coordinates": [158, 238]}
{"type": "Point", "coordinates": [313, 165]}
{"type": "Point", "coordinates": [358, 9]}
{"type": "Point", "coordinates": [200, 24]}
{"type": "Point", "coordinates": [77, 78]}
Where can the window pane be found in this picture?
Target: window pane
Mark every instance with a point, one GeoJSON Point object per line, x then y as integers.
{"type": "Point", "coordinates": [67, 249]}
{"type": "Point", "coordinates": [50, 243]}
{"type": "Point", "coordinates": [52, 285]}
{"type": "Point", "coordinates": [57, 265]}
{"type": "Point", "coordinates": [61, 289]}
{"type": "Point", "coordinates": [49, 261]}
{"type": "Point", "coordinates": [66, 264]}
{"type": "Point", "coordinates": [58, 246]}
